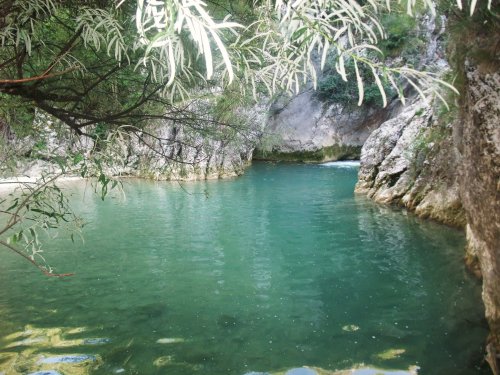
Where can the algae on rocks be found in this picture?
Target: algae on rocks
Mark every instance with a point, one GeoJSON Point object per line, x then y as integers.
{"type": "Point", "coordinates": [329, 153]}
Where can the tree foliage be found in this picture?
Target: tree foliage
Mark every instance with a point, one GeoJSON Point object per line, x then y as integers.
{"type": "Point", "coordinates": [66, 56]}
{"type": "Point", "coordinates": [278, 50]}
{"type": "Point", "coordinates": [331, 87]}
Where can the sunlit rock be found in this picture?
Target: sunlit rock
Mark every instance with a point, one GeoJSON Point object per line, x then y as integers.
{"type": "Point", "coordinates": [48, 338]}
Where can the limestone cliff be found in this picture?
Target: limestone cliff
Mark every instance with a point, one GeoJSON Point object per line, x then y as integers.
{"type": "Point", "coordinates": [480, 188]}
{"type": "Point", "coordinates": [315, 128]}
{"type": "Point", "coordinates": [307, 128]}
{"type": "Point", "coordinates": [411, 161]}
{"type": "Point", "coordinates": [163, 150]}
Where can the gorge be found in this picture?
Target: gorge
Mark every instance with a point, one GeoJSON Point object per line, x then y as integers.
{"type": "Point", "coordinates": [440, 164]}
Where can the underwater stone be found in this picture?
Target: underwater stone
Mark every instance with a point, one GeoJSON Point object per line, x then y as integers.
{"type": "Point", "coordinates": [68, 359]}
{"type": "Point", "coordinates": [163, 361]}
{"type": "Point", "coordinates": [350, 328]}
{"type": "Point", "coordinates": [391, 353]}
{"type": "Point", "coordinates": [301, 371]}
{"type": "Point", "coordinates": [256, 373]}
{"type": "Point", "coordinates": [168, 340]}
{"type": "Point", "coordinates": [49, 372]}
{"type": "Point", "coordinates": [96, 341]}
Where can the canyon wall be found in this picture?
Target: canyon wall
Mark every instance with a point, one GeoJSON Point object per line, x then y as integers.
{"type": "Point", "coordinates": [306, 128]}
{"type": "Point", "coordinates": [480, 189]}
{"type": "Point", "coordinates": [203, 148]}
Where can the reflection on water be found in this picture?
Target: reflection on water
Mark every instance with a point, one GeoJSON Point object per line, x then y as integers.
{"type": "Point", "coordinates": [280, 269]}
{"type": "Point", "coordinates": [342, 164]}
{"type": "Point", "coordinates": [33, 351]}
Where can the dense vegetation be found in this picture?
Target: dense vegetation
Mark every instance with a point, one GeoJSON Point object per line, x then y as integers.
{"type": "Point", "coordinates": [332, 87]}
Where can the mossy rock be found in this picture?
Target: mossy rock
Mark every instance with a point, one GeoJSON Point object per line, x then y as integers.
{"type": "Point", "coordinates": [330, 153]}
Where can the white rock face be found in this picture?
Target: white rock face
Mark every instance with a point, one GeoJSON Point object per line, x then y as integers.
{"type": "Point", "coordinates": [305, 123]}
{"type": "Point", "coordinates": [186, 156]}
{"type": "Point", "coordinates": [401, 164]}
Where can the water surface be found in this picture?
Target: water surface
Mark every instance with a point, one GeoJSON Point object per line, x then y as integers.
{"type": "Point", "coordinates": [281, 268]}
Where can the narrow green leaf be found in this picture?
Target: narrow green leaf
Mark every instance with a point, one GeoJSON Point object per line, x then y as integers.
{"type": "Point", "coordinates": [361, 90]}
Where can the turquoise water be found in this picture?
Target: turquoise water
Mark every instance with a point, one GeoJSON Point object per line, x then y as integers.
{"type": "Point", "coordinates": [281, 268]}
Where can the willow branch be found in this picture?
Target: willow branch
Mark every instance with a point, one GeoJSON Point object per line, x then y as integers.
{"type": "Point", "coordinates": [36, 78]}
{"type": "Point", "coordinates": [33, 262]}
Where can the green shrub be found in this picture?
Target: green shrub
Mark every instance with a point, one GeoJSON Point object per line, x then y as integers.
{"type": "Point", "coordinates": [401, 32]}
{"type": "Point", "coordinates": [333, 88]}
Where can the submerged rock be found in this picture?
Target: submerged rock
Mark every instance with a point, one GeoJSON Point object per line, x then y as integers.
{"type": "Point", "coordinates": [350, 328]}
{"type": "Point", "coordinates": [170, 340]}
{"type": "Point", "coordinates": [78, 358]}
{"type": "Point", "coordinates": [29, 342]}
{"type": "Point", "coordinates": [163, 360]}
{"type": "Point", "coordinates": [49, 338]}
{"type": "Point", "coordinates": [301, 371]}
{"type": "Point", "coordinates": [29, 361]}
{"type": "Point", "coordinates": [391, 353]}
{"type": "Point", "coordinates": [96, 341]}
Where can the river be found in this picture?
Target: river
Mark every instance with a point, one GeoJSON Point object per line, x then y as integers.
{"type": "Point", "coordinates": [281, 268]}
